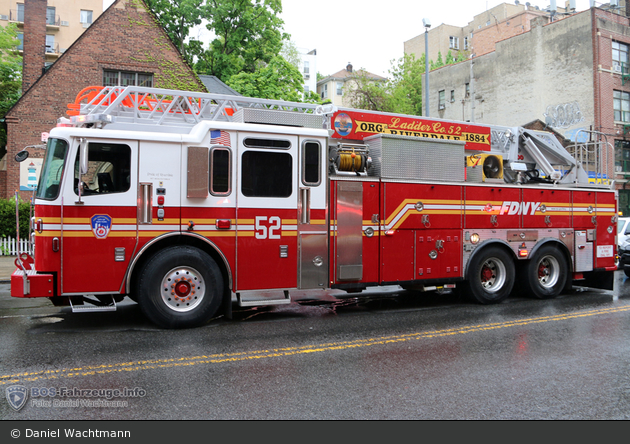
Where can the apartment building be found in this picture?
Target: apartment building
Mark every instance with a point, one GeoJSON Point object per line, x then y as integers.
{"type": "Point", "coordinates": [569, 71]}
{"type": "Point", "coordinates": [65, 22]}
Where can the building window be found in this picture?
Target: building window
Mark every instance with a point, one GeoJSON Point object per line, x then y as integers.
{"type": "Point", "coordinates": [20, 12]}
{"type": "Point", "coordinates": [126, 78]}
{"type": "Point", "coordinates": [51, 16]}
{"type": "Point", "coordinates": [50, 44]}
{"type": "Point", "coordinates": [465, 43]}
{"type": "Point", "coordinates": [467, 90]}
{"type": "Point", "coordinates": [452, 95]}
{"type": "Point", "coordinates": [621, 105]}
{"type": "Point", "coordinates": [324, 90]}
{"type": "Point", "coordinates": [339, 88]}
{"type": "Point", "coordinates": [441, 99]}
{"type": "Point", "coordinates": [306, 67]}
{"type": "Point", "coordinates": [86, 17]}
{"type": "Point", "coordinates": [622, 156]}
{"type": "Point", "coordinates": [307, 90]}
{"type": "Point", "coordinates": [453, 42]}
{"type": "Point", "coordinates": [20, 37]}
{"type": "Point", "coordinates": [620, 56]}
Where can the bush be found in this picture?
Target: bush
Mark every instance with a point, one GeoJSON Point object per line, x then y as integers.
{"type": "Point", "coordinates": [7, 218]}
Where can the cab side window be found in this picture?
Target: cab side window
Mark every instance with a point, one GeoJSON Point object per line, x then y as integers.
{"type": "Point", "coordinates": [109, 169]}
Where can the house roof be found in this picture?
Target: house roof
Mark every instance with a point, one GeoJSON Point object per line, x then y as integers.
{"type": "Point", "coordinates": [86, 35]}
{"type": "Point", "coordinates": [216, 86]}
{"type": "Point", "coordinates": [348, 73]}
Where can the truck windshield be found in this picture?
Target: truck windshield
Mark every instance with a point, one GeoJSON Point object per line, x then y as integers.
{"type": "Point", "coordinates": [52, 170]}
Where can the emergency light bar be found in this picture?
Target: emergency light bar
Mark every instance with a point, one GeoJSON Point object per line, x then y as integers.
{"type": "Point", "coordinates": [92, 118]}
{"type": "Point", "coordinates": [325, 109]}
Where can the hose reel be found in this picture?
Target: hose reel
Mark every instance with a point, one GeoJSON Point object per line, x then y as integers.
{"type": "Point", "coordinates": [350, 158]}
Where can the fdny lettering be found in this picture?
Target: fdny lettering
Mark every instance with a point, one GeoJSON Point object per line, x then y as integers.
{"type": "Point", "coordinates": [515, 208]}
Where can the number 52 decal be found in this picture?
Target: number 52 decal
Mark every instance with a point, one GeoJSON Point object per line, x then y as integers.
{"type": "Point", "coordinates": [268, 229]}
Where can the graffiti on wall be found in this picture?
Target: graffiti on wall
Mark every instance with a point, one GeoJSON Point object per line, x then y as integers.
{"type": "Point", "coordinates": [564, 115]}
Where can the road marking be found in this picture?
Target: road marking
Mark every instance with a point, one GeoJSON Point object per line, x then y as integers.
{"type": "Point", "coordinates": [288, 351]}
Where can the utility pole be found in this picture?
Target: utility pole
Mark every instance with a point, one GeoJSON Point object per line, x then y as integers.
{"type": "Point", "coordinates": [472, 90]}
{"type": "Point", "coordinates": [427, 24]}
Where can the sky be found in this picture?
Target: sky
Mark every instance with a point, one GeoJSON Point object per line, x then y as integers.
{"type": "Point", "coordinates": [368, 33]}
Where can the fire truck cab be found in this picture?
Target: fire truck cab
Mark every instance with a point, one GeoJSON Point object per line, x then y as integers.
{"type": "Point", "coordinates": [182, 200]}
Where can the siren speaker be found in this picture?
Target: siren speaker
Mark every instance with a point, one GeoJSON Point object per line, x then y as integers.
{"type": "Point", "coordinates": [493, 167]}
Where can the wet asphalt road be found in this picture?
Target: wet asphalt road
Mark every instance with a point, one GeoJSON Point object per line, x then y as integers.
{"type": "Point", "coordinates": [392, 355]}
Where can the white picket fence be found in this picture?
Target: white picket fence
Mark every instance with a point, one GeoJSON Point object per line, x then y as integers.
{"type": "Point", "coordinates": [10, 247]}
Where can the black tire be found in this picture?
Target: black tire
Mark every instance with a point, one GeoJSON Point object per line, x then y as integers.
{"type": "Point", "coordinates": [490, 276]}
{"type": "Point", "coordinates": [626, 270]}
{"type": "Point", "coordinates": [180, 287]}
{"type": "Point", "coordinates": [546, 273]}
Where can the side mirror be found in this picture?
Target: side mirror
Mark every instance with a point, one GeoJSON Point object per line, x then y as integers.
{"type": "Point", "coordinates": [83, 156]}
{"type": "Point", "coordinates": [21, 156]}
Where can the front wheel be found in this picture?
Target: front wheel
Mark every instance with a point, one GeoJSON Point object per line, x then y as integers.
{"type": "Point", "coordinates": [546, 273]}
{"type": "Point", "coordinates": [180, 287]}
{"type": "Point", "coordinates": [490, 276]}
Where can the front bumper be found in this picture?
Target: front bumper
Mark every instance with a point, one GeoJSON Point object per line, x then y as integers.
{"type": "Point", "coordinates": [30, 284]}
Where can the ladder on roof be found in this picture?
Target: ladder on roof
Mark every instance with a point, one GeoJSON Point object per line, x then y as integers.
{"type": "Point", "coordinates": [155, 106]}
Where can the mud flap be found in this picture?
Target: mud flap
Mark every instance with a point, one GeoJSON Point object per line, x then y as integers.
{"type": "Point", "coordinates": [604, 280]}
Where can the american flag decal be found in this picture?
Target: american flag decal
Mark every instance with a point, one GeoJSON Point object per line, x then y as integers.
{"type": "Point", "coordinates": [218, 137]}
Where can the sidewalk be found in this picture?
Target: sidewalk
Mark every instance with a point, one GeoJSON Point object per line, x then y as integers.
{"type": "Point", "coordinates": [7, 267]}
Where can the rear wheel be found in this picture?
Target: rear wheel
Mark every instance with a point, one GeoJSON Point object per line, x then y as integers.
{"type": "Point", "coordinates": [546, 273]}
{"type": "Point", "coordinates": [490, 276]}
{"type": "Point", "coordinates": [180, 287]}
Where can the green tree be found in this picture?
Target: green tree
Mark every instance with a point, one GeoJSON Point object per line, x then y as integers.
{"type": "Point", "coordinates": [10, 76]}
{"type": "Point", "coordinates": [449, 58]}
{"type": "Point", "coordinates": [291, 53]}
{"type": "Point", "coordinates": [401, 93]}
{"type": "Point", "coordinates": [363, 91]}
{"type": "Point", "coordinates": [7, 218]}
{"type": "Point", "coordinates": [278, 80]}
{"type": "Point", "coordinates": [178, 17]}
{"type": "Point", "coordinates": [438, 63]}
{"type": "Point", "coordinates": [405, 85]}
{"type": "Point", "coordinates": [248, 35]}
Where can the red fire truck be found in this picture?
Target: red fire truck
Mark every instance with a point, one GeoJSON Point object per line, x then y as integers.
{"type": "Point", "coordinates": [182, 201]}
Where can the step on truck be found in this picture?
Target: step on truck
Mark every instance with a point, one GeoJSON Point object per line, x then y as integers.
{"type": "Point", "coordinates": [188, 203]}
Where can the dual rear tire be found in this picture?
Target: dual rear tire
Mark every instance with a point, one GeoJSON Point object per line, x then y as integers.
{"type": "Point", "coordinates": [492, 274]}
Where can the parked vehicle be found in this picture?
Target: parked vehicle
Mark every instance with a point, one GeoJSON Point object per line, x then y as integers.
{"type": "Point", "coordinates": [181, 200]}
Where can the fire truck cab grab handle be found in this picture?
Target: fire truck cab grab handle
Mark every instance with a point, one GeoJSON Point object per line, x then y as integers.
{"type": "Point", "coordinates": [305, 204]}
{"type": "Point", "coordinates": [83, 167]}
{"type": "Point", "coordinates": [145, 203]}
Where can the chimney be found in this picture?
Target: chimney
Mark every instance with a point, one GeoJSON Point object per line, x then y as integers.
{"type": "Point", "coordinates": [349, 67]}
{"type": "Point", "coordinates": [34, 55]}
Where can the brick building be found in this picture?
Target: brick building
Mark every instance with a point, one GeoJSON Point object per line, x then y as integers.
{"type": "Point", "coordinates": [124, 46]}
{"type": "Point", "coordinates": [66, 20]}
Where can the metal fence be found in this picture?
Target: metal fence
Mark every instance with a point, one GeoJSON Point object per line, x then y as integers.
{"type": "Point", "coordinates": [10, 246]}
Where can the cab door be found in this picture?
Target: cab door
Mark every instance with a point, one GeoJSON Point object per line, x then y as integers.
{"type": "Point", "coordinates": [267, 211]}
{"type": "Point", "coordinates": [312, 215]}
{"type": "Point", "coordinates": [99, 228]}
